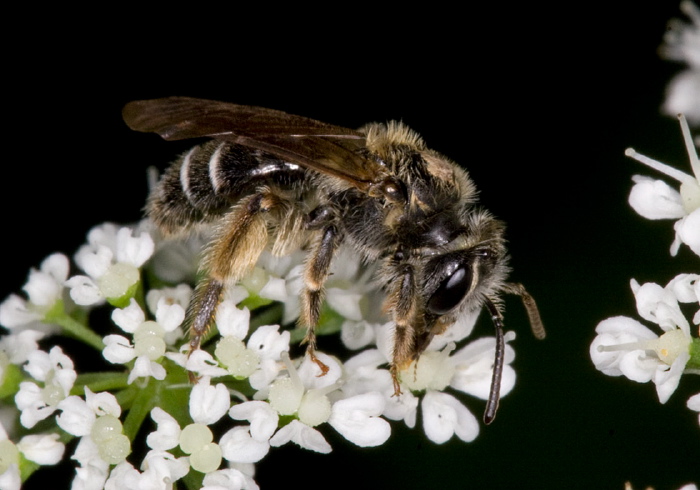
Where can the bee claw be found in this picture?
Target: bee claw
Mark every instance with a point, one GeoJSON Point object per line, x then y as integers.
{"type": "Point", "coordinates": [324, 369]}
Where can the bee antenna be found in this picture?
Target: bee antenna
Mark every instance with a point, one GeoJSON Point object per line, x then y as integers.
{"type": "Point", "coordinates": [495, 392]}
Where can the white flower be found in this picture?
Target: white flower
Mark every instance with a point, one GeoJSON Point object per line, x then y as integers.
{"type": "Point", "coordinates": [363, 374]}
{"type": "Point", "coordinates": [278, 278]}
{"type": "Point", "coordinates": [96, 420]}
{"type": "Point", "coordinates": [262, 417]}
{"type": "Point", "coordinates": [93, 470]}
{"type": "Point", "coordinates": [167, 435]}
{"type": "Point", "coordinates": [626, 347]}
{"type": "Point", "coordinates": [201, 362]}
{"type": "Point", "coordinates": [160, 470]}
{"type": "Point", "coordinates": [445, 416]}
{"type": "Point", "coordinates": [233, 324]}
{"type": "Point", "coordinates": [18, 346]}
{"type": "Point", "coordinates": [352, 292]}
{"type": "Point", "coordinates": [232, 321]}
{"type": "Point", "coordinates": [305, 395]}
{"type": "Point", "coordinates": [357, 334]}
{"type": "Point", "coordinates": [654, 199]}
{"type": "Point", "coordinates": [229, 479]}
{"type": "Point", "coordinates": [469, 370]}
{"type": "Point", "coordinates": [302, 435]}
{"type": "Point", "coordinates": [238, 446]}
{"type": "Point", "coordinates": [268, 343]}
{"type": "Point", "coordinates": [44, 289]}
{"type": "Point", "coordinates": [682, 43]}
{"type": "Point", "coordinates": [196, 440]}
{"type": "Point", "coordinates": [42, 449]}
{"type": "Point", "coordinates": [357, 419]}
{"type": "Point", "coordinates": [149, 338]}
{"type": "Point", "coordinates": [55, 370]}
{"type": "Point", "coordinates": [111, 259]}
{"type": "Point", "coordinates": [176, 260]}
{"type": "Point", "coordinates": [180, 295]}
{"type": "Point", "coordinates": [208, 403]}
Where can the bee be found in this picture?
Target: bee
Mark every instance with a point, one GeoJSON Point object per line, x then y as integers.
{"type": "Point", "coordinates": [268, 179]}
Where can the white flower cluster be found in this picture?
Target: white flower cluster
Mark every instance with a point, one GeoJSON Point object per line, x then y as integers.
{"type": "Point", "coordinates": [655, 199]}
{"type": "Point", "coordinates": [682, 44]}
{"type": "Point", "coordinates": [246, 375]}
{"type": "Point", "coordinates": [625, 346]}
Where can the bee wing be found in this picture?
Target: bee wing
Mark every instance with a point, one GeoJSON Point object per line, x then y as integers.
{"type": "Point", "coordinates": [326, 148]}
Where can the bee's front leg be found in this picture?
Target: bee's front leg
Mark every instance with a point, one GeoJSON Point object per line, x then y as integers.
{"type": "Point", "coordinates": [402, 301]}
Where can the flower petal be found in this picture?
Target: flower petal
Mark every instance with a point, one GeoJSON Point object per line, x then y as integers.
{"type": "Point", "coordinates": [688, 231]}
{"type": "Point", "coordinates": [655, 199]}
{"type": "Point", "coordinates": [167, 435]}
{"type": "Point", "coordinates": [237, 446]}
{"type": "Point", "coordinates": [444, 416]}
{"type": "Point", "coordinates": [302, 435]}
{"type": "Point", "coordinates": [262, 417]}
{"type": "Point", "coordinates": [84, 290]}
{"type": "Point", "coordinates": [130, 317]}
{"type": "Point", "coordinates": [232, 321]}
{"type": "Point", "coordinates": [357, 419]}
{"type": "Point", "coordinates": [208, 403]}
{"type": "Point", "coordinates": [43, 449]}
{"type": "Point", "coordinates": [77, 418]}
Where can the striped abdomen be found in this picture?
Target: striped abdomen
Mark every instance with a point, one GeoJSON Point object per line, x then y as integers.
{"type": "Point", "coordinates": [204, 183]}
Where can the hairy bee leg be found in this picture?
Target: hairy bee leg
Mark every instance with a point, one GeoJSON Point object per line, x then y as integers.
{"type": "Point", "coordinates": [200, 312]}
{"type": "Point", "coordinates": [402, 301]}
{"type": "Point", "coordinates": [316, 272]}
{"type": "Point", "coordinates": [238, 242]}
{"type": "Point", "coordinates": [533, 312]}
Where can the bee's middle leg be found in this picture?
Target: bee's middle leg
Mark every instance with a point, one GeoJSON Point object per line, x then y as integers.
{"type": "Point", "coordinates": [316, 272]}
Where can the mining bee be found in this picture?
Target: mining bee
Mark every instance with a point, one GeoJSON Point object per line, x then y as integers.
{"type": "Point", "coordinates": [268, 179]}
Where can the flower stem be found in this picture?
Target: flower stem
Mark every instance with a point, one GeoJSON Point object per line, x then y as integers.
{"type": "Point", "coordinates": [106, 381]}
{"type": "Point", "coordinates": [76, 329]}
{"type": "Point", "coordinates": [142, 404]}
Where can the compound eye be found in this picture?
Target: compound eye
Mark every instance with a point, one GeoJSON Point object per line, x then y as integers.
{"type": "Point", "coordinates": [451, 291]}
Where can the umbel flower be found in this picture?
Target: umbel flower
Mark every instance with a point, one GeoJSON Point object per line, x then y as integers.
{"type": "Point", "coordinates": [655, 199]}
{"type": "Point", "coordinates": [252, 395]}
{"type": "Point", "coordinates": [626, 347]}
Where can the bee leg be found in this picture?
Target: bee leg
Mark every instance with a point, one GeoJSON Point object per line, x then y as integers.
{"type": "Point", "coordinates": [240, 237]}
{"type": "Point", "coordinates": [402, 301]}
{"type": "Point", "coordinates": [315, 274]}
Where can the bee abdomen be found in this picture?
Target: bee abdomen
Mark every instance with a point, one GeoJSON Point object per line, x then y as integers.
{"type": "Point", "coordinates": [204, 183]}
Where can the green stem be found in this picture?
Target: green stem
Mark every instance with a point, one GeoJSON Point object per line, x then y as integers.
{"type": "Point", "coordinates": [694, 361]}
{"type": "Point", "coordinates": [97, 382]}
{"type": "Point", "coordinates": [76, 329]}
{"type": "Point", "coordinates": [145, 400]}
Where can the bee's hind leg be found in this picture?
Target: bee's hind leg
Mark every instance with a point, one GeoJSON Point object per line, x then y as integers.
{"type": "Point", "coordinates": [239, 239]}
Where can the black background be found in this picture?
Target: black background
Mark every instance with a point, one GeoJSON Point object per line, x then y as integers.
{"type": "Point", "coordinates": [538, 103]}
